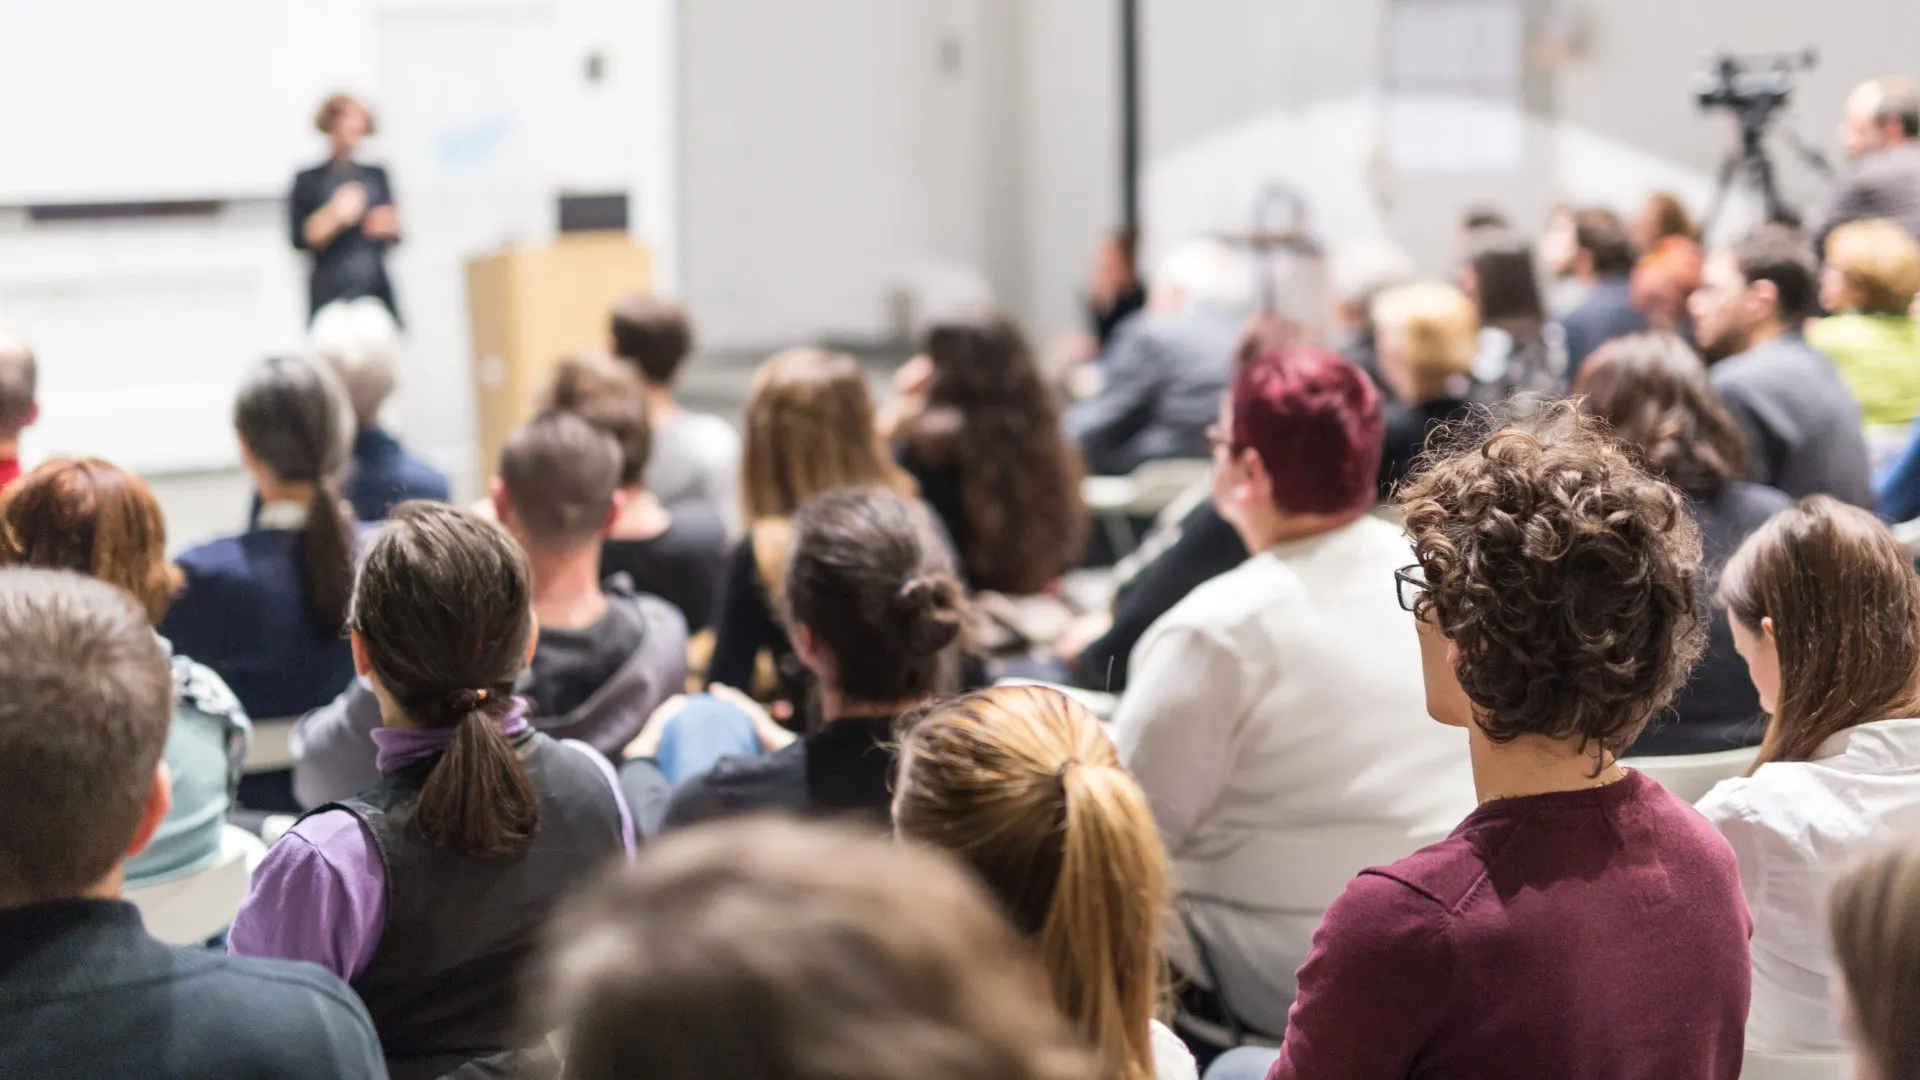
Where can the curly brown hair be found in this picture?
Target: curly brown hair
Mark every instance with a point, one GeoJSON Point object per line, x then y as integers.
{"type": "Point", "coordinates": [1567, 576]}
{"type": "Point", "coordinates": [989, 412]}
{"type": "Point", "coordinates": [1653, 389]}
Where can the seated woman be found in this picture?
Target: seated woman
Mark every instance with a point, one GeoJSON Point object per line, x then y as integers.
{"type": "Point", "coordinates": [809, 428]}
{"type": "Point", "coordinates": [1670, 261]}
{"type": "Point", "coordinates": [873, 611]}
{"type": "Point", "coordinates": [1022, 784]}
{"type": "Point", "coordinates": [675, 553]}
{"type": "Point", "coordinates": [1874, 923]}
{"type": "Point", "coordinates": [1428, 336]}
{"type": "Point", "coordinates": [1869, 282]}
{"type": "Point", "coordinates": [362, 342]}
{"type": "Point", "coordinates": [265, 609]}
{"type": "Point", "coordinates": [1653, 389]}
{"type": "Point", "coordinates": [1582, 923]}
{"type": "Point", "coordinates": [94, 518]}
{"type": "Point", "coordinates": [980, 432]}
{"type": "Point", "coordinates": [428, 891]}
{"type": "Point", "coordinates": [1825, 606]}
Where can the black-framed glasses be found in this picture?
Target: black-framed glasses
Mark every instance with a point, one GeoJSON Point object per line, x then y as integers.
{"type": "Point", "coordinates": [1410, 582]}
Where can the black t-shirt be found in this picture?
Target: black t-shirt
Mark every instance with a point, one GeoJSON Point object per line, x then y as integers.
{"type": "Point", "coordinates": [681, 566]}
{"type": "Point", "coordinates": [844, 769]}
{"type": "Point", "coordinates": [744, 624]}
{"type": "Point", "coordinates": [570, 666]}
{"type": "Point", "coordinates": [352, 264]}
{"type": "Point", "coordinates": [1207, 548]}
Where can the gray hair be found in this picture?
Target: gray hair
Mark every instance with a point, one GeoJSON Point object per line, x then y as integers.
{"type": "Point", "coordinates": [362, 342]}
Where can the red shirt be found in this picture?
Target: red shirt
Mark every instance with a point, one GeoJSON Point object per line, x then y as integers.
{"type": "Point", "coordinates": [9, 472]}
{"type": "Point", "coordinates": [1579, 935]}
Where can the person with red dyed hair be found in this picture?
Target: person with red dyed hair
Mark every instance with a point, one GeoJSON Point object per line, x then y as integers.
{"type": "Point", "coordinates": [1278, 709]}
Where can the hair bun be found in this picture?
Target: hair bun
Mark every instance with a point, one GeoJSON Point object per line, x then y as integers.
{"type": "Point", "coordinates": [928, 605]}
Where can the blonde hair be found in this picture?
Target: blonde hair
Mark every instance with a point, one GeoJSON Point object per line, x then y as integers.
{"type": "Point", "coordinates": [1880, 264]}
{"type": "Point", "coordinates": [809, 429]}
{"type": "Point", "coordinates": [1874, 919]}
{"type": "Point", "coordinates": [1023, 785]}
{"type": "Point", "coordinates": [1434, 326]}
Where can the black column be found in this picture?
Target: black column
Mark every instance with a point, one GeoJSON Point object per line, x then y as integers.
{"type": "Point", "coordinates": [1130, 113]}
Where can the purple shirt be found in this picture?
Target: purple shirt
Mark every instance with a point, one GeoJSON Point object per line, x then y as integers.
{"type": "Point", "coordinates": [320, 894]}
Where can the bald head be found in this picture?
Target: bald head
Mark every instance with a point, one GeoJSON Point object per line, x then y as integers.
{"type": "Point", "coordinates": [18, 380]}
{"type": "Point", "coordinates": [1880, 113]}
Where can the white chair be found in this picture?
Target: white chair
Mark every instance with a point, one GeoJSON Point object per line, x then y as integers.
{"type": "Point", "coordinates": [1098, 702]}
{"type": "Point", "coordinates": [192, 909]}
{"type": "Point", "coordinates": [1761, 1066]}
{"type": "Point", "coordinates": [1115, 501]}
{"type": "Point", "coordinates": [271, 747]}
{"type": "Point", "coordinates": [1691, 776]}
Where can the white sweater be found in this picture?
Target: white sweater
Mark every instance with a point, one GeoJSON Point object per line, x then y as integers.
{"type": "Point", "coordinates": [1281, 704]}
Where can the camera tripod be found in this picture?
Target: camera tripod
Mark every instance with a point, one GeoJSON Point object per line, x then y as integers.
{"type": "Point", "coordinates": [1751, 161]}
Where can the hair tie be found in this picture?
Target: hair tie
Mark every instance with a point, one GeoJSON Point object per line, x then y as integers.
{"type": "Point", "coordinates": [466, 701]}
{"type": "Point", "coordinates": [1061, 772]}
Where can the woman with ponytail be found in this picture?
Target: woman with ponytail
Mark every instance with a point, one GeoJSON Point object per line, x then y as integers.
{"type": "Point", "coordinates": [427, 891]}
{"type": "Point", "coordinates": [266, 609]}
{"type": "Point", "coordinates": [874, 611]}
{"type": "Point", "coordinates": [1022, 784]}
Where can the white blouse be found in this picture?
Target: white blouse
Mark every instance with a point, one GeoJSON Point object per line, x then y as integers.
{"type": "Point", "coordinates": [1794, 825]}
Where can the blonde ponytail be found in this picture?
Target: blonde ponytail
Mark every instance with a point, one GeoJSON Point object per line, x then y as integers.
{"type": "Point", "coordinates": [1022, 783]}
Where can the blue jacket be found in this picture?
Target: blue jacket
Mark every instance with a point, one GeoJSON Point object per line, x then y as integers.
{"type": "Point", "coordinates": [384, 475]}
{"type": "Point", "coordinates": [244, 614]}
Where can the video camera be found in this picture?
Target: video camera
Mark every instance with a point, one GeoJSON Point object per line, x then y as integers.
{"type": "Point", "coordinates": [1752, 87]}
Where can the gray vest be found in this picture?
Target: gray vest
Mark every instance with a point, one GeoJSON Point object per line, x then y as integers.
{"type": "Point", "coordinates": [443, 985]}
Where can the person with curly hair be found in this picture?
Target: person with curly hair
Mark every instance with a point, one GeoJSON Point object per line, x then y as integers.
{"type": "Point", "coordinates": [1582, 922]}
{"type": "Point", "coordinates": [980, 431]}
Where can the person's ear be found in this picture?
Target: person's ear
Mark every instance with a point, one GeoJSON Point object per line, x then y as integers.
{"type": "Point", "coordinates": [33, 415]}
{"type": "Point", "coordinates": [497, 495]}
{"type": "Point", "coordinates": [1254, 485]}
{"type": "Point", "coordinates": [1766, 630]}
{"type": "Point", "coordinates": [362, 664]}
{"type": "Point", "coordinates": [533, 637]}
{"type": "Point", "coordinates": [1765, 296]}
{"type": "Point", "coordinates": [614, 507]}
{"type": "Point", "coordinates": [806, 646]}
{"type": "Point", "coordinates": [159, 801]}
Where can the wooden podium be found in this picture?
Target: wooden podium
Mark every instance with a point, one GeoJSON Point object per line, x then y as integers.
{"type": "Point", "coordinates": [530, 307]}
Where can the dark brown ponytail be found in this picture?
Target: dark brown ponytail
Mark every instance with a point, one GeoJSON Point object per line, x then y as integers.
{"type": "Point", "coordinates": [291, 414]}
{"type": "Point", "coordinates": [444, 605]}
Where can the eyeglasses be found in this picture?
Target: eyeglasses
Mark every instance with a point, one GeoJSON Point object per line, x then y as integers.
{"type": "Point", "coordinates": [1410, 582]}
{"type": "Point", "coordinates": [1218, 440]}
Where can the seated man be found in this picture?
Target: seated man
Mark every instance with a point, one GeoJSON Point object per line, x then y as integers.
{"type": "Point", "coordinates": [1162, 375]}
{"type": "Point", "coordinates": [361, 341]}
{"type": "Point", "coordinates": [695, 456]}
{"type": "Point", "coordinates": [1802, 426]}
{"type": "Point", "coordinates": [1602, 260]}
{"type": "Point", "coordinates": [1880, 132]}
{"type": "Point", "coordinates": [606, 655]}
{"type": "Point", "coordinates": [86, 694]}
{"type": "Point", "coordinates": [18, 409]}
{"type": "Point", "coordinates": [1278, 707]}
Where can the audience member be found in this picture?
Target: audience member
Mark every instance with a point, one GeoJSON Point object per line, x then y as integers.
{"type": "Point", "coordinates": [1513, 356]}
{"type": "Point", "coordinates": [1114, 289]}
{"type": "Point", "coordinates": [426, 891]}
{"type": "Point", "coordinates": [1869, 282]}
{"type": "Point", "coordinates": [1280, 701]}
{"type": "Point", "coordinates": [1826, 610]}
{"type": "Point", "coordinates": [1359, 274]}
{"type": "Point", "coordinates": [360, 339]}
{"type": "Point", "coordinates": [1022, 784]}
{"type": "Point", "coordinates": [605, 656]}
{"type": "Point", "coordinates": [1582, 923]}
{"type": "Point", "coordinates": [85, 993]}
{"type": "Point", "coordinates": [265, 609]}
{"type": "Point", "coordinates": [1670, 260]}
{"type": "Point", "coordinates": [1558, 252]}
{"type": "Point", "coordinates": [779, 951]}
{"type": "Point", "coordinates": [980, 432]}
{"type": "Point", "coordinates": [1429, 336]}
{"type": "Point", "coordinates": [673, 552]}
{"type": "Point", "coordinates": [96, 519]}
{"type": "Point", "coordinates": [1603, 259]}
{"type": "Point", "coordinates": [695, 457]}
{"type": "Point", "coordinates": [1162, 374]}
{"type": "Point", "coordinates": [19, 404]}
{"type": "Point", "coordinates": [1802, 427]}
{"type": "Point", "coordinates": [810, 429]}
{"type": "Point", "coordinates": [873, 610]}
{"type": "Point", "coordinates": [1874, 921]}
{"type": "Point", "coordinates": [1652, 389]}
{"type": "Point", "coordinates": [1880, 131]}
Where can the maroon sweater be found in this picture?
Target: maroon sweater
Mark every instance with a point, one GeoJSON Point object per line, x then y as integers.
{"type": "Point", "coordinates": [1586, 934]}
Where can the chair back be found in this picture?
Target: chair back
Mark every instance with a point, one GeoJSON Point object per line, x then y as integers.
{"type": "Point", "coordinates": [191, 910]}
{"type": "Point", "coordinates": [1691, 776]}
{"type": "Point", "coordinates": [1762, 1066]}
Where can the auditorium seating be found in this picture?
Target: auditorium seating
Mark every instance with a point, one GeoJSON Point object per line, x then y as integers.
{"type": "Point", "coordinates": [198, 907]}
{"type": "Point", "coordinates": [1691, 776]}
